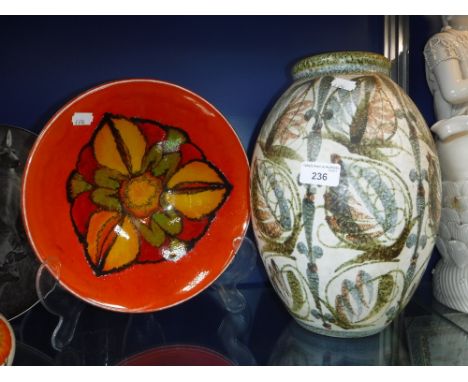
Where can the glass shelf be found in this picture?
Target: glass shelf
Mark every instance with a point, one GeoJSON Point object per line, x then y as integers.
{"type": "Point", "coordinates": [203, 331]}
{"type": "Point", "coordinates": [435, 334]}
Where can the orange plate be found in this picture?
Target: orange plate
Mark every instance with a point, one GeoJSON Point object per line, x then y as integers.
{"type": "Point", "coordinates": [177, 355]}
{"type": "Point", "coordinates": [145, 206]}
{"type": "Point", "coordinates": [7, 342]}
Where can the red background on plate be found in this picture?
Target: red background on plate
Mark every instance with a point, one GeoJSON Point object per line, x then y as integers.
{"type": "Point", "coordinates": [46, 211]}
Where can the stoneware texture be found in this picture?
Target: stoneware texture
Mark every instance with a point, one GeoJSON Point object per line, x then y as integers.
{"type": "Point", "coordinates": [7, 343]}
{"type": "Point", "coordinates": [450, 281]}
{"type": "Point", "coordinates": [345, 259]}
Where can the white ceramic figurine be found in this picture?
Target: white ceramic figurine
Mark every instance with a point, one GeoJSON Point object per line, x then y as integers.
{"type": "Point", "coordinates": [446, 56]}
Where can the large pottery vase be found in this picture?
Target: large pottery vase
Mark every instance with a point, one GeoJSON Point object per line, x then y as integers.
{"type": "Point", "coordinates": [345, 194]}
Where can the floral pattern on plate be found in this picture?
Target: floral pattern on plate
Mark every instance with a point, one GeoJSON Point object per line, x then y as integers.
{"type": "Point", "coordinates": [141, 192]}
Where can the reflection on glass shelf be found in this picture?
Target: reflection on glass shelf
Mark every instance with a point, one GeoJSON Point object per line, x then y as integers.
{"type": "Point", "coordinates": [177, 355]}
{"type": "Point", "coordinates": [297, 346]}
{"type": "Point", "coordinates": [438, 337]}
{"type": "Point", "coordinates": [456, 318]}
{"type": "Point", "coordinates": [433, 340]}
{"type": "Point", "coordinates": [29, 356]}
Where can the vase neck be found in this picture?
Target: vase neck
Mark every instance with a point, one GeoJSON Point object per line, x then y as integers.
{"type": "Point", "coordinates": [341, 63]}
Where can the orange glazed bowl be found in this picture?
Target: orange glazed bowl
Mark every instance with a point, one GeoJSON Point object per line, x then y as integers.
{"type": "Point", "coordinates": [7, 342]}
{"type": "Point", "coordinates": [137, 191]}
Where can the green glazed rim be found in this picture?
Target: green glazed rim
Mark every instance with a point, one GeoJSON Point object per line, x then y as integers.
{"type": "Point", "coordinates": [341, 63]}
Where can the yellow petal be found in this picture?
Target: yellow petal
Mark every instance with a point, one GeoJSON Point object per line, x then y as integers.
{"type": "Point", "coordinates": [196, 171]}
{"type": "Point", "coordinates": [133, 140]}
{"type": "Point", "coordinates": [101, 234]}
{"type": "Point", "coordinates": [125, 248]}
{"type": "Point", "coordinates": [196, 205]}
{"type": "Point", "coordinates": [106, 152]}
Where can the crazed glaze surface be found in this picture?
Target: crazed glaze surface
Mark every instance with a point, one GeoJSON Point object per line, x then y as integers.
{"type": "Point", "coordinates": [346, 259]}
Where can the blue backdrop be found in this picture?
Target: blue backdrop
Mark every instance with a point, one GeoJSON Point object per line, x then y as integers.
{"type": "Point", "coordinates": [240, 64]}
{"type": "Point", "coordinates": [421, 29]}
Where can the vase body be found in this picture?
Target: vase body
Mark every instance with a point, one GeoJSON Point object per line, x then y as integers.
{"type": "Point", "coordinates": [345, 195]}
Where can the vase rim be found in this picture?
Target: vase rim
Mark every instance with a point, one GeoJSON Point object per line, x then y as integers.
{"type": "Point", "coordinates": [344, 62]}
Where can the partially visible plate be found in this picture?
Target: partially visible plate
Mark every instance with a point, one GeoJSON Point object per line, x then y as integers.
{"type": "Point", "coordinates": [7, 343]}
{"type": "Point", "coordinates": [18, 264]}
{"type": "Point", "coordinates": [177, 355]}
{"type": "Point", "coordinates": [139, 190]}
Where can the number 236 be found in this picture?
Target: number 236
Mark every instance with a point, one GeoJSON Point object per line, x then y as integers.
{"type": "Point", "coordinates": [319, 175]}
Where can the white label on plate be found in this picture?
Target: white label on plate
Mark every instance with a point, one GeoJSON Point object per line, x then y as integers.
{"type": "Point", "coordinates": [344, 84]}
{"type": "Point", "coordinates": [324, 174]}
{"type": "Point", "coordinates": [82, 119]}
